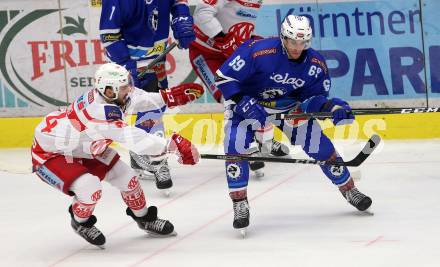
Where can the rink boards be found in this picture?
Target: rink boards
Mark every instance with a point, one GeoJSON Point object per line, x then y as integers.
{"type": "Point", "coordinates": [392, 61]}
{"type": "Point", "coordinates": [207, 128]}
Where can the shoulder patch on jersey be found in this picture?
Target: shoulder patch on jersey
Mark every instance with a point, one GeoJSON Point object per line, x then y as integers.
{"type": "Point", "coordinates": [264, 52]}
{"type": "Point", "coordinates": [111, 37]}
{"type": "Point", "coordinates": [320, 63]}
{"type": "Point", "coordinates": [112, 112]}
{"type": "Point", "coordinates": [210, 2]}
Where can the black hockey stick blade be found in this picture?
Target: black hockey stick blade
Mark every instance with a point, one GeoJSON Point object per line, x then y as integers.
{"type": "Point", "coordinates": [369, 147]}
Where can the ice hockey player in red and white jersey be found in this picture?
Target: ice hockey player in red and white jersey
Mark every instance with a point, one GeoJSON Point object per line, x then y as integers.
{"type": "Point", "coordinates": [220, 27]}
{"type": "Point", "coordinates": [71, 149]}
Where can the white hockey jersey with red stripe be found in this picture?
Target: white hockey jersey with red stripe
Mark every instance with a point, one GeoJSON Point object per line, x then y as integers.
{"type": "Point", "coordinates": [213, 16]}
{"type": "Point", "coordinates": [90, 124]}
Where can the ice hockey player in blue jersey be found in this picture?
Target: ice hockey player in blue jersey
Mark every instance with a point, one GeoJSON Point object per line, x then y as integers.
{"type": "Point", "coordinates": [280, 75]}
{"type": "Point", "coordinates": [134, 33]}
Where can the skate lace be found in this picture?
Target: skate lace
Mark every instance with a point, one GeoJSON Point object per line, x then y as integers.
{"type": "Point", "coordinates": [276, 146]}
{"type": "Point", "coordinates": [156, 225]}
{"type": "Point", "coordinates": [354, 196]}
{"type": "Point", "coordinates": [241, 209]}
{"type": "Point", "coordinates": [163, 174]}
{"type": "Point", "coordinates": [142, 161]}
{"type": "Point", "coordinates": [92, 232]}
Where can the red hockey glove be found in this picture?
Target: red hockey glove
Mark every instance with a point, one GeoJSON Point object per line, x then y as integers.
{"type": "Point", "coordinates": [227, 44]}
{"type": "Point", "coordinates": [187, 153]}
{"type": "Point", "coordinates": [181, 94]}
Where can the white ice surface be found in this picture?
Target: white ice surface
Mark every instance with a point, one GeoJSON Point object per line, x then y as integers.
{"type": "Point", "coordinates": [298, 218]}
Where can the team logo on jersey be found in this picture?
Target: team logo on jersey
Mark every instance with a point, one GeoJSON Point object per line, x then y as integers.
{"type": "Point", "coordinates": [233, 171]}
{"type": "Point", "coordinates": [148, 124]}
{"type": "Point", "coordinates": [337, 170]}
{"type": "Point", "coordinates": [147, 2]}
{"type": "Point", "coordinates": [271, 93]}
{"type": "Point", "coordinates": [285, 79]}
{"type": "Point", "coordinates": [153, 19]}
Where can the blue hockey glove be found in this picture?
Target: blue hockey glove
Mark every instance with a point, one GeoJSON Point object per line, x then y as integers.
{"type": "Point", "coordinates": [130, 65]}
{"type": "Point", "coordinates": [341, 111]}
{"type": "Point", "coordinates": [183, 31]}
{"type": "Point", "coordinates": [249, 108]}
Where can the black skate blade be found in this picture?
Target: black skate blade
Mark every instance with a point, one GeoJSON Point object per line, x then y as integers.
{"type": "Point", "coordinates": [165, 192]}
{"type": "Point", "coordinates": [367, 212]}
{"type": "Point", "coordinates": [146, 176]}
{"type": "Point", "coordinates": [156, 235]}
{"type": "Point", "coordinates": [98, 246]}
{"type": "Point", "coordinates": [259, 174]}
{"type": "Point", "coordinates": [242, 232]}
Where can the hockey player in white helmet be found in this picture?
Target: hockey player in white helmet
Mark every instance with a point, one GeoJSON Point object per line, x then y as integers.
{"type": "Point", "coordinates": [71, 149]}
{"type": "Point", "coordinates": [296, 35]}
{"type": "Point", "coordinates": [134, 33]}
{"type": "Point", "coordinates": [221, 26]}
{"type": "Point", "coordinates": [281, 75]}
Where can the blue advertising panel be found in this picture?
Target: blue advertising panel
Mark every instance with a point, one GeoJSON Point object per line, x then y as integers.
{"type": "Point", "coordinates": [374, 49]}
{"type": "Point", "coordinates": [431, 39]}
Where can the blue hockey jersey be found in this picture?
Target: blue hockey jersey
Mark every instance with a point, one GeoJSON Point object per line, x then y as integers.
{"type": "Point", "coordinates": [137, 29]}
{"type": "Point", "coordinates": [261, 69]}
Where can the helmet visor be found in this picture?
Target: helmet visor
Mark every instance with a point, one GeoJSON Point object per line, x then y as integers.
{"type": "Point", "coordinates": [304, 44]}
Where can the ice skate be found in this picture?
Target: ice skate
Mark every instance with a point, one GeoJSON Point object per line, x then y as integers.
{"type": "Point", "coordinates": [149, 170]}
{"type": "Point", "coordinates": [355, 197]}
{"type": "Point", "coordinates": [142, 173]}
{"type": "Point", "coordinates": [279, 149]}
{"type": "Point", "coordinates": [150, 223]}
{"type": "Point", "coordinates": [163, 178]}
{"type": "Point", "coordinates": [88, 231]}
{"type": "Point", "coordinates": [241, 215]}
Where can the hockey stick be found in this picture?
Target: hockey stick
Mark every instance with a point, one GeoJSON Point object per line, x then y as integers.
{"type": "Point", "coordinates": [368, 111]}
{"type": "Point", "coordinates": [369, 147]}
{"type": "Point", "coordinates": [156, 60]}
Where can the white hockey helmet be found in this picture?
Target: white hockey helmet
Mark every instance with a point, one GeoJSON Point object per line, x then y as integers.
{"type": "Point", "coordinates": [111, 76]}
{"type": "Point", "coordinates": [297, 28]}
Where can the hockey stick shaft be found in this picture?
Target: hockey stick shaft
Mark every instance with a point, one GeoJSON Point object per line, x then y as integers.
{"type": "Point", "coordinates": [371, 111]}
{"type": "Point", "coordinates": [372, 143]}
{"type": "Point", "coordinates": [157, 59]}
